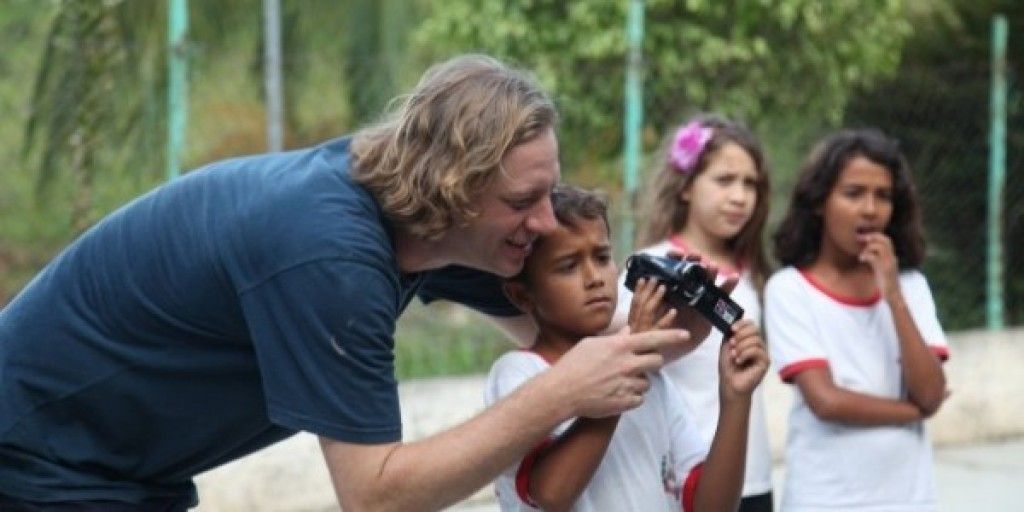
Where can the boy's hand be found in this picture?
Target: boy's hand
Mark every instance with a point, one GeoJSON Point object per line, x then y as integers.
{"type": "Point", "coordinates": [647, 310]}
{"type": "Point", "coordinates": [743, 360]}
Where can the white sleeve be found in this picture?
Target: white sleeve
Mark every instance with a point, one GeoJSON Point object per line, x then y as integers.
{"type": "Point", "coordinates": [919, 299]}
{"type": "Point", "coordinates": [792, 338]}
{"type": "Point", "coordinates": [511, 371]}
{"type": "Point", "coordinates": [625, 297]}
{"type": "Point", "coordinates": [508, 373]}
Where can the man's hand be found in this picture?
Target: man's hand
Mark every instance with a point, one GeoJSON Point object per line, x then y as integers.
{"type": "Point", "coordinates": [606, 375]}
{"type": "Point", "coordinates": [743, 360]}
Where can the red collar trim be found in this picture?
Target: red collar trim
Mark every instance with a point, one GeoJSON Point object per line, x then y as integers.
{"type": "Point", "coordinates": [842, 299]}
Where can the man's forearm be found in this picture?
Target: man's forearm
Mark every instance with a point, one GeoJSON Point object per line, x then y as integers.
{"type": "Point", "coordinates": [440, 470]}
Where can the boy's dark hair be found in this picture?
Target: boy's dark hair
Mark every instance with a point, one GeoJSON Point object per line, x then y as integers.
{"type": "Point", "coordinates": [798, 237]}
{"type": "Point", "coordinates": [570, 205]}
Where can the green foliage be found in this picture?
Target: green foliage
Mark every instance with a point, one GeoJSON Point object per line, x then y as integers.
{"type": "Point", "coordinates": [747, 59]}
{"type": "Point", "coordinates": [86, 97]}
{"type": "Point", "coordinates": [442, 339]}
{"type": "Point", "coordinates": [938, 106]}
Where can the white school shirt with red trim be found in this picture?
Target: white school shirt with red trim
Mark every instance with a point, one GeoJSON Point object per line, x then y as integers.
{"type": "Point", "coordinates": [654, 451]}
{"type": "Point", "coordinates": [696, 377]}
{"type": "Point", "coordinates": [833, 466]}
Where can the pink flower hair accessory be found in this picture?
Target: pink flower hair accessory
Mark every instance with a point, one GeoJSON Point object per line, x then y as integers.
{"type": "Point", "coordinates": [687, 146]}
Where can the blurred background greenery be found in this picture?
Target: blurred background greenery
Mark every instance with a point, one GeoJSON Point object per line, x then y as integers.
{"type": "Point", "coordinates": [83, 103]}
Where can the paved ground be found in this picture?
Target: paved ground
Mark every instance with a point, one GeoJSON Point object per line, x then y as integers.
{"type": "Point", "coordinates": [985, 477]}
{"type": "Point", "coordinates": [291, 477]}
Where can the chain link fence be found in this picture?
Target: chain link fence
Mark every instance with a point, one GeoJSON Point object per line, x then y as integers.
{"type": "Point", "coordinates": [332, 85]}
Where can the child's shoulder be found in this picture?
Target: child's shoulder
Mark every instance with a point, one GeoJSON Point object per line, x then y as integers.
{"type": "Point", "coordinates": [519, 360]}
{"type": "Point", "coordinates": [659, 249]}
{"type": "Point", "coordinates": [784, 278]}
{"type": "Point", "coordinates": [914, 281]}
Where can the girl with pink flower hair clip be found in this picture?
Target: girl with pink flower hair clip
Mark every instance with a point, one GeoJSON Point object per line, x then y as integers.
{"type": "Point", "coordinates": [708, 197]}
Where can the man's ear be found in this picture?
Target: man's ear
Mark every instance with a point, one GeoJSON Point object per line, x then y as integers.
{"type": "Point", "coordinates": [518, 294]}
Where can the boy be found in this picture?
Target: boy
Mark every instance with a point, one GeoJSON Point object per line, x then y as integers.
{"type": "Point", "coordinates": [650, 458]}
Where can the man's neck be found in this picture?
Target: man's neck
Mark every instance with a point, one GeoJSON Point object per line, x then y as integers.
{"type": "Point", "coordinates": [416, 254]}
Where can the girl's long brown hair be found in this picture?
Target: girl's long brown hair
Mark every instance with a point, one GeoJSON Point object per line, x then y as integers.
{"type": "Point", "coordinates": [798, 237]}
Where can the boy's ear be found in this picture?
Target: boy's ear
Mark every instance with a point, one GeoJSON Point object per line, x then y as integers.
{"type": "Point", "coordinates": [519, 296]}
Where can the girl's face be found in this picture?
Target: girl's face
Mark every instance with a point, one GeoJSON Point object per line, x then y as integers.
{"type": "Point", "coordinates": [723, 197]}
{"type": "Point", "coordinates": [861, 201]}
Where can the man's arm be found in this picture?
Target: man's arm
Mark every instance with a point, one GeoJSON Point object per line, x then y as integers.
{"type": "Point", "coordinates": [597, 378]}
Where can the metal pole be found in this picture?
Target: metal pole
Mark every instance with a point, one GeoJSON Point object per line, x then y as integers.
{"type": "Point", "coordinates": [996, 176]}
{"type": "Point", "coordinates": [177, 83]}
{"type": "Point", "coordinates": [272, 74]}
{"type": "Point", "coordinates": [634, 119]}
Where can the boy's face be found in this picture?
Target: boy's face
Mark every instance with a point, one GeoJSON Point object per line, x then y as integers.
{"type": "Point", "coordinates": [570, 282]}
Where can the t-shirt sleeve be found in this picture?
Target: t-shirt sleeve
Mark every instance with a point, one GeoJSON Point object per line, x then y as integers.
{"type": "Point", "coordinates": [511, 371]}
{"type": "Point", "coordinates": [473, 288]}
{"type": "Point", "coordinates": [624, 301]}
{"type": "Point", "coordinates": [507, 374]}
{"type": "Point", "coordinates": [323, 335]}
{"type": "Point", "coordinates": [919, 299]}
{"type": "Point", "coordinates": [792, 338]}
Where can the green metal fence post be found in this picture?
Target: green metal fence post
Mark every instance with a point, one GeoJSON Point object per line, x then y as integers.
{"type": "Point", "coordinates": [634, 120]}
{"type": "Point", "coordinates": [996, 176]}
{"type": "Point", "coordinates": [177, 85]}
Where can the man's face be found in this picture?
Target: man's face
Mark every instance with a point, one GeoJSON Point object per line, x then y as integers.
{"type": "Point", "coordinates": [513, 211]}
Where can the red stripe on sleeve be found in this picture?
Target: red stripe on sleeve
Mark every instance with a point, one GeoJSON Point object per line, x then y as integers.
{"type": "Point", "coordinates": [941, 352]}
{"type": "Point", "coordinates": [526, 469]}
{"type": "Point", "coordinates": [690, 486]}
{"type": "Point", "coordinates": [792, 369]}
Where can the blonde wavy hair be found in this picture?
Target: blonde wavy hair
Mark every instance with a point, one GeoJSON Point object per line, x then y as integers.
{"type": "Point", "coordinates": [426, 162]}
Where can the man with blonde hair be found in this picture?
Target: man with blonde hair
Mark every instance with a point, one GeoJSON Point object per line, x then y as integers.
{"type": "Point", "coordinates": [257, 297]}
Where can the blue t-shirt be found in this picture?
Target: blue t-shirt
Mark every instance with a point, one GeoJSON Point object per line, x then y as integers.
{"type": "Point", "coordinates": [213, 316]}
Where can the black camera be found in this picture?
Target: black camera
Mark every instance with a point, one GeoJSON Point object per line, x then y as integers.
{"type": "Point", "coordinates": [686, 284]}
